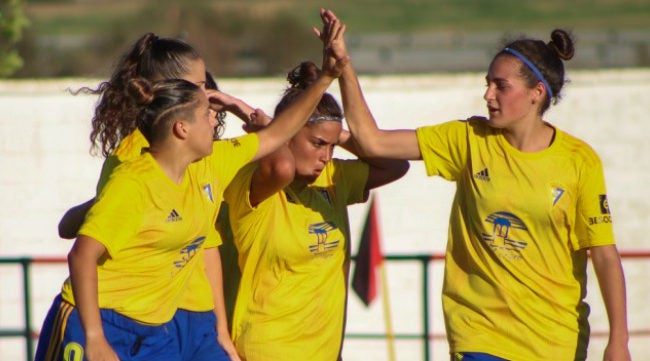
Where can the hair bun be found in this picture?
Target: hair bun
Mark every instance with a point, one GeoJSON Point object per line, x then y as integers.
{"type": "Point", "coordinates": [303, 75]}
{"type": "Point", "coordinates": [140, 90]}
{"type": "Point", "coordinates": [562, 43]}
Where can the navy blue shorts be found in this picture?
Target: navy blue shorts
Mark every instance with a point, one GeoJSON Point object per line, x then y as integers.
{"type": "Point", "coordinates": [197, 336]}
{"type": "Point", "coordinates": [63, 339]}
{"type": "Point", "coordinates": [474, 356]}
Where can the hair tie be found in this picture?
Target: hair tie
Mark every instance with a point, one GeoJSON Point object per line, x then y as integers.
{"type": "Point", "coordinates": [532, 67]}
{"type": "Point", "coordinates": [321, 118]}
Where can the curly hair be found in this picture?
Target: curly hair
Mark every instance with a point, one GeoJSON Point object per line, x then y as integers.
{"type": "Point", "coordinates": [152, 58]}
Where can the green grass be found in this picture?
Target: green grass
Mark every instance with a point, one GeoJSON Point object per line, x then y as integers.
{"type": "Point", "coordinates": [371, 16]}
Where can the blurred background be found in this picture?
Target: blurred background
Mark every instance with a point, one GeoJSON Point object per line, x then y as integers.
{"type": "Point", "coordinates": [421, 62]}
{"type": "Point", "coordinates": [250, 38]}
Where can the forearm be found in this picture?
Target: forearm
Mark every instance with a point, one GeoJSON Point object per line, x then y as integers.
{"type": "Point", "coordinates": [286, 124]}
{"type": "Point", "coordinates": [215, 277]}
{"type": "Point", "coordinates": [358, 116]}
{"type": "Point", "coordinates": [83, 276]}
{"type": "Point", "coordinates": [371, 141]}
{"type": "Point", "coordinates": [240, 109]}
{"type": "Point", "coordinates": [609, 271]}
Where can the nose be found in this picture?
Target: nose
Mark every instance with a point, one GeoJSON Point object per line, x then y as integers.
{"type": "Point", "coordinates": [489, 93]}
{"type": "Point", "coordinates": [327, 154]}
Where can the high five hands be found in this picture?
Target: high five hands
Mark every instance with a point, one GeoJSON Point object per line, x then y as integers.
{"type": "Point", "coordinates": [335, 54]}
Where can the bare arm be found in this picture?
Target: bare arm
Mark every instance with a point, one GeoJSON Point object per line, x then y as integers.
{"type": "Point", "coordinates": [372, 141]}
{"type": "Point", "coordinates": [73, 218]}
{"type": "Point", "coordinates": [220, 101]}
{"type": "Point", "coordinates": [291, 120]}
{"type": "Point", "coordinates": [274, 172]}
{"type": "Point", "coordinates": [215, 277]}
{"type": "Point", "coordinates": [382, 171]}
{"type": "Point", "coordinates": [82, 261]}
{"type": "Point", "coordinates": [608, 268]}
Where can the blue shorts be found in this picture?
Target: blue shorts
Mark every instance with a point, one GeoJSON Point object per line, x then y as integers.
{"type": "Point", "coordinates": [63, 339]}
{"type": "Point", "coordinates": [474, 356]}
{"type": "Point", "coordinates": [197, 336]}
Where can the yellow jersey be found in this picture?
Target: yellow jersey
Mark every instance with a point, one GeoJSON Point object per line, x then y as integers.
{"type": "Point", "coordinates": [520, 224]}
{"type": "Point", "coordinates": [294, 261]}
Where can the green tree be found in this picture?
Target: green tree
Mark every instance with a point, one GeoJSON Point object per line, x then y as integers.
{"type": "Point", "coordinates": [12, 22]}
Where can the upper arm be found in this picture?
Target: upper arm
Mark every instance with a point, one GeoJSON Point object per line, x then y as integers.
{"type": "Point", "coordinates": [273, 173]}
{"type": "Point", "coordinates": [85, 250]}
{"type": "Point", "coordinates": [384, 171]}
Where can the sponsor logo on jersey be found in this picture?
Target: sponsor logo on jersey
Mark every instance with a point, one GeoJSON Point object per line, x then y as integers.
{"type": "Point", "coordinates": [188, 252]}
{"type": "Point", "coordinates": [604, 205]}
{"type": "Point", "coordinates": [482, 175]}
{"type": "Point", "coordinates": [502, 238]}
{"type": "Point", "coordinates": [235, 142]}
{"type": "Point", "coordinates": [605, 216]}
{"type": "Point", "coordinates": [174, 216]}
{"type": "Point", "coordinates": [322, 247]}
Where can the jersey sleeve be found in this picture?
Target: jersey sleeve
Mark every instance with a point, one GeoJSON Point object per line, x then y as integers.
{"type": "Point", "coordinates": [593, 219]}
{"type": "Point", "coordinates": [230, 155]}
{"type": "Point", "coordinates": [444, 148]}
{"type": "Point", "coordinates": [117, 214]}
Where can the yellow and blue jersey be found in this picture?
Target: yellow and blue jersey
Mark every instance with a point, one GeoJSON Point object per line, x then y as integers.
{"type": "Point", "coordinates": [294, 260]}
{"type": "Point", "coordinates": [515, 272]}
{"type": "Point", "coordinates": [141, 189]}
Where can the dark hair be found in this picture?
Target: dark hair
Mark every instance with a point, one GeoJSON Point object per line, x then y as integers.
{"type": "Point", "coordinates": [547, 58]}
{"type": "Point", "coordinates": [161, 103]}
{"type": "Point", "coordinates": [300, 78]}
{"type": "Point", "coordinates": [151, 58]}
{"type": "Point", "coordinates": [210, 83]}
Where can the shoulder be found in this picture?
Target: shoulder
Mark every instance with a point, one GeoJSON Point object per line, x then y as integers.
{"type": "Point", "coordinates": [577, 148]}
{"type": "Point", "coordinates": [132, 146]}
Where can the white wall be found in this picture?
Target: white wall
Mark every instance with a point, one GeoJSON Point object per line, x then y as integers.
{"type": "Point", "coordinates": [45, 168]}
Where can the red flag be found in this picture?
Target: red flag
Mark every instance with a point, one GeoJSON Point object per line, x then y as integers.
{"type": "Point", "coordinates": [365, 281]}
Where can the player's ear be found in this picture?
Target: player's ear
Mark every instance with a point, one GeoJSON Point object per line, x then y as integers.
{"type": "Point", "coordinates": [180, 129]}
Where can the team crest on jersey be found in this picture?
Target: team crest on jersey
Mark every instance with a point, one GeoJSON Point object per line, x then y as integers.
{"type": "Point", "coordinates": [188, 252]}
{"type": "Point", "coordinates": [556, 194]}
{"type": "Point", "coordinates": [502, 240]}
{"type": "Point", "coordinates": [207, 190]}
{"type": "Point", "coordinates": [326, 195]}
{"type": "Point", "coordinates": [323, 247]}
{"type": "Point", "coordinates": [235, 142]}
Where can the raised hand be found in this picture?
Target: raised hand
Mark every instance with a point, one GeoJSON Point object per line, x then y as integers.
{"type": "Point", "coordinates": [335, 54]}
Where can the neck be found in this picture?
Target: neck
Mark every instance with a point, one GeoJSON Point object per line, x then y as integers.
{"type": "Point", "coordinates": [170, 162]}
{"type": "Point", "coordinates": [533, 138]}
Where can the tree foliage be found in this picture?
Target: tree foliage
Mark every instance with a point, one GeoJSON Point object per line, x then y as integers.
{"type": "Point", "coordinates": [12, 22]}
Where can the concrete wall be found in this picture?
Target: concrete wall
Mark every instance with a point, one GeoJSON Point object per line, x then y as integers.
{"type": "Point", "coordinates": [470, 51]}
{"type": "Point", "coordinates": [45, 168]}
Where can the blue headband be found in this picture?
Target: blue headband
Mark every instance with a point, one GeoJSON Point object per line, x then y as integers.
{"type": "Point", "coordinates": [532, 67]}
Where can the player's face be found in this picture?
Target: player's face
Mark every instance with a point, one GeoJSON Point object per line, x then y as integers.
{"type": "Point", "coordinates": [313, 147]}
{"type": "Point", "coordinates": [201, 131]}
{"type": "Point", "coordinates": [509, 99]}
